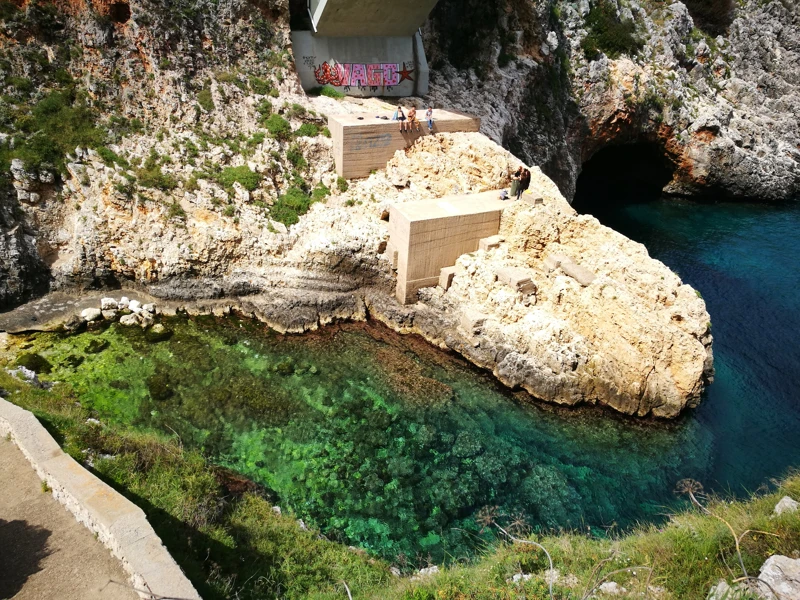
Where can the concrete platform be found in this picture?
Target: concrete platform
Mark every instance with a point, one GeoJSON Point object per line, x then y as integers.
{"type": "Point", "coordinates": [431, 234]}
{"type": "Point", "coordinates": [366, 142]}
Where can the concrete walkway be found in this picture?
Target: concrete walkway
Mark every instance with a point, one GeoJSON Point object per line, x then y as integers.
{"type": "Point", "coordinates": [45, 554]}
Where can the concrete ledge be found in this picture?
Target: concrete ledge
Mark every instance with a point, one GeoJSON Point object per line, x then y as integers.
{"type": "Point", "coordinates": [117, 522]}
{"type": "Point", "coordinates": [367, 141]}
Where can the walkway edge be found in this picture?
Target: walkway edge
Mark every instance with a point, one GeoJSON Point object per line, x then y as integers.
{"type": "Point", "coordinates": [118, 523]}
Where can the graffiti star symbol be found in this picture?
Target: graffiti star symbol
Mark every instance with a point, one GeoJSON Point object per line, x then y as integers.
{"type": "Point", "coordinates": [406, 74]}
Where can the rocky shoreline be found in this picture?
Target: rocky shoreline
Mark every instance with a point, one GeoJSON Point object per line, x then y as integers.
{"type": "Point", "coordinates": [629, 335]}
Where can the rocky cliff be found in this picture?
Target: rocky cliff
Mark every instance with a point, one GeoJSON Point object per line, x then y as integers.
{"type": "Point", "coordinates": [715, 88]}
{"type": "Point", "coordinates": [172, 150]}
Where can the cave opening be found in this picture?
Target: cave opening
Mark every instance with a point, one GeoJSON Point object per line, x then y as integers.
{"type": "Point", "coordinates": [619, 175]}
{"type": "Point", "coordinates": [119, 12]}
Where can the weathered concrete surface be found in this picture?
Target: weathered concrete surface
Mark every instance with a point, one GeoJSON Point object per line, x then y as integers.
{"type": "Point", "coordinates": [432, 234]}
{"type": "Point", "coordinates": [369, 17]}
{"type": "Point", "coordinates": [45, 553]}
{"type": "Point", "coordinates": [117, 523]}
{"type": "Point", "coordinates": [363, 143]}
{"type": "Point", "coordinates": [362, 66]}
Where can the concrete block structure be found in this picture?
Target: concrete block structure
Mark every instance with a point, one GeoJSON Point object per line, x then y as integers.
{"type": "Point", "coordinates": [367, 141]}
{"type": "Point", "coordinates": [431, 234]}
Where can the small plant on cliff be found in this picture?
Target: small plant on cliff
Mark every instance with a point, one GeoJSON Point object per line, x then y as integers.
{"type": "Point", "coordinates": [609, 34]}
{"type": "Point", "coordinates": [278, 127]}
{"type": "Point", "coordinates": [248, 179]}
{"type": "Point", "coordinates": [260, 86]}
{"type": "Point", "coordinates": [307, 130]}
{"type": "Point", "coordinates": [342, 184]}
{"type": "Point", "coordinates": [205, 100]}
{"type": "Point", "coordinates": [295, 202]}
{"type": "Point", "coordinates": [295, 156]}
{"type": "Point", "coordinates": [151, 175]}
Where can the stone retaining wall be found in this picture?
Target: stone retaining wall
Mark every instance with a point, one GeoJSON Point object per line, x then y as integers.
{"type": "Point", "coordinates": [118, 523]}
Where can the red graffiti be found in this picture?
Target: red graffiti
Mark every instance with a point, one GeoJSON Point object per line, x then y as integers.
{"type": "Point", "coordinates": [361, 74]}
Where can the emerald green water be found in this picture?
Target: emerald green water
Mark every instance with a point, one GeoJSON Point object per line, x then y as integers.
{"type": "Point", "coordinates": [377, 439]}
{"type": "Point", "coordinates": [384, 442]}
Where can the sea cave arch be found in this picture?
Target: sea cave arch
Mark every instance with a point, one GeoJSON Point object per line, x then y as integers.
{"type": "Point", "coordinates": [622, 174]}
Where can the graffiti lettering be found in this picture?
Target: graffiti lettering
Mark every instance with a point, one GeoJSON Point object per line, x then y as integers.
{"type": "Point", "coordinates": [371, 143]}
{"type": "Point", "coordinates": [362, 75]}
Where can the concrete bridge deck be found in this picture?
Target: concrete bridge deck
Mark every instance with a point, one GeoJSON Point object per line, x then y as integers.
{"type": "Point", "coordinates": [367, 141]}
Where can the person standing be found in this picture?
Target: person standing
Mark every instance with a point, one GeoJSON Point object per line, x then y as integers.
{"type": "Point", "coordinates": [429, 118]}
{"type": "Point", "coordinates": [525, 182]}
{"type": "Point", "coordinates": [401, 116]}
{"type": "Point", "coordinates": [516, 182]}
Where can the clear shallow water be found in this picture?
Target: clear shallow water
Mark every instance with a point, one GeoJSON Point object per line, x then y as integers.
{"type": "Point", "coordinates": [387, 443]}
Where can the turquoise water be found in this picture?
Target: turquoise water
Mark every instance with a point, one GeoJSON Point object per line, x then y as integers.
{"type": "Point", "coordinates": [745, 260]}
{"type": "Point", "coordinates": [381, 441]}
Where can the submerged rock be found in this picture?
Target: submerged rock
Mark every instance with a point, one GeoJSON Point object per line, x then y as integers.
{"type": "Point", "coordinates": [34, 362]}
{"type": "Point", "coordinates": [157, 333]}
{"type": "Point", "coordinates": [96, 346]}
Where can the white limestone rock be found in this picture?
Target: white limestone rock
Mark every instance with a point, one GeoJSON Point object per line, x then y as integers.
{"type": "Point", "coordinates": [786, 505]}
{"type": "Point", "coordinates": [129, 320]}
{"type": "Point", "coordinates": [108, 304]}
{"type": "Point", "coordinates": [123, 303]}
{"type": "Point", "coordinates": [782, 574]}
{"type": "Point", "coordinates": [135, 306]}
{"type": "Point", "coordinates": [91, 314]}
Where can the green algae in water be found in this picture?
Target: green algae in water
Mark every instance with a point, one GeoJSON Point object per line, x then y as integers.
{"type": "Point", "coordinates": [379, 440]}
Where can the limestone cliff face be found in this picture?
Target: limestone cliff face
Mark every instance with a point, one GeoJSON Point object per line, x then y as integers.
{"type": "Point", "coordinates": [204, 147]}
{"type": "Point", "coordinates": [721, 107]}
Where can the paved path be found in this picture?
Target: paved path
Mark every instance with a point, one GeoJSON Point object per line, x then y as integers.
{"type": "Point", "coordinates": [45, 554]}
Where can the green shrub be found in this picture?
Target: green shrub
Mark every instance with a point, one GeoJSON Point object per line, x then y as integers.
{"type": "Point", "coordinates": [260, 86]}
{"type": "Point", "coordinates": [229, 211]}
{"type": "Point", "coordinates": [342, 184]}
{"type": "Point", "coordinates": [608, 34]}
{"type": "Point", "coordinates": [8, 10]}
{"type": "Point", "coordinates": [256, 139]}
{"type": "Point", "coordinates": [151, 175]}
{"type": "Point", "coordinates": [296, 111]}
{"type": "Point", "coordinates": [326, 132]}
{"type": "Point", "coordinates": [21, 84]}
{"type": "Point", "coordinates": [278, 127]}
{"type": "Point", "coordinates": [295, 156]}
{"type": "Point", "coordinates": [274, 93]}
{"type": "Point", "coordinates": [243, 175]}
{"type": "Point", "coordinates": [205, 100]}
{"type": "Point", "coordinates": [55, 126]}
{"type": "Point", "coordinates": [307, 130]}
{"type": "Point", "coordinates": [111, 158]}
{"type": "Point", "coordinates": [175, 211]}
{"type": "Point", "coordinates": [331, 92]}
{"type": "Point", "coordinates": [294, 203]}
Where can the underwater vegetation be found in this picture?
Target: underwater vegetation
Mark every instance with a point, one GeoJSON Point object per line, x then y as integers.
{"type": "Point", "coordinates": [375, 439]}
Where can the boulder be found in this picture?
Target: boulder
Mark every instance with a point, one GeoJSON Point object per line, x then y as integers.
{"type": "Point", "coordinates": [123, 303]}
{"type": "Point", "coordinates": [91, 314]}
{"type": "Point", "coordinates": [151, 308]}
{"type": "Point", "coordinates": [134, 306]}
{"type": "Point", "coordinates": [782, 575]}
{"type": "Point", "coordinates": [129, 320]}
{"type": "Point", "coordinates": [110, 315]}
{"type": "Point", "coordinates": [108, 304]}
{"type": "Point", "coordinates": [786, 505]}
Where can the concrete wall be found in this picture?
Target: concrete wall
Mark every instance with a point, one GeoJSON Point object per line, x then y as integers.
{"type": "Point", "coordinates": [430, 235]}
{"type": "Point", "coordinates": [362, 66]}
{"type": "Point", "coordinates": [120, 525]}
{"type": "Point", "coordinates": [369, 17]}
{"type": "Point", "coordinates": [363, 143]}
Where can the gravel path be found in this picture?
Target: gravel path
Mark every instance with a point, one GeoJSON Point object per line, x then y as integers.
{"type": "Point", "coordinates": [45, 554]}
